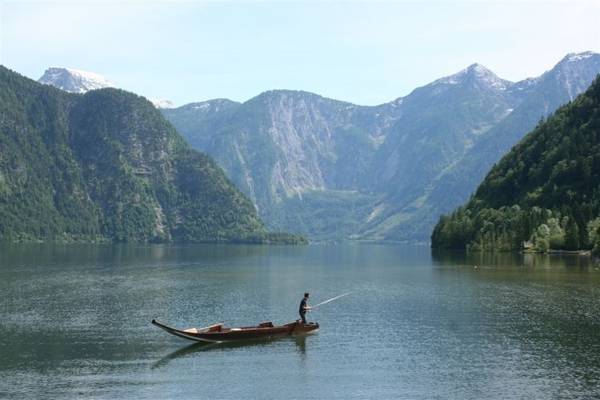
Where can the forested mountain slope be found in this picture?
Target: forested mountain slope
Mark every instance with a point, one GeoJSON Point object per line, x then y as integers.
{"type": "Point", "coordinates": [106, 165]}
{"type": "Point", "coordinates": [546, 190]}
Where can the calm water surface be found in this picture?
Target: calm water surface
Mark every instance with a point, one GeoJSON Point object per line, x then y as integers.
{"type": "Point", "coordinates": [75, 323]}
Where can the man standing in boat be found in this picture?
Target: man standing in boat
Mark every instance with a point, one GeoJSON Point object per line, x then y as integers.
{"type": "Point", "coordinates": [304, 307]}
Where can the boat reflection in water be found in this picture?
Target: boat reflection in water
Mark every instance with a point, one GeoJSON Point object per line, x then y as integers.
{"type": "Point", "coordinates": [299, 341]}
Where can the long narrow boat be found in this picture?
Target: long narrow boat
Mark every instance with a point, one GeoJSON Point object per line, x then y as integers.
{"type": "Point", "coordinates": [219, 333]}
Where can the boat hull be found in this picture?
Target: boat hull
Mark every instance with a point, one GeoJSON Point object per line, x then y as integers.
{"type": "Point", "coordinates": [212, 335]}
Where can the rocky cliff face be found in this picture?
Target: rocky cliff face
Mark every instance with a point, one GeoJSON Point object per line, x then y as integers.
{"type": "Point", "coordinates": [284, 143]}
{"type": "Point", "coordinates": [335, 170]}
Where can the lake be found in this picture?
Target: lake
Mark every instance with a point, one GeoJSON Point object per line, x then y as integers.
{"type": "Point", "coordinates": [75, 323]}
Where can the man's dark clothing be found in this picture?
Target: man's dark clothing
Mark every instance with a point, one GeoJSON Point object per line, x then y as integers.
{"type": "Point", "coordinates": [302, 311]}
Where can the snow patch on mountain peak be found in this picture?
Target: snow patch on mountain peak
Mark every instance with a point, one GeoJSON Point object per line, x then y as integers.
{"type": "Point", "coordinates": [574, 57]}
{"type": "Point", "coordinates": [74, 80]}
{"type": "Point", "coordinates": [162, 103]}
{"type": "Point", "coordinates": [478, 72]}
{"type": "Point", "coordinates": [201, 106]}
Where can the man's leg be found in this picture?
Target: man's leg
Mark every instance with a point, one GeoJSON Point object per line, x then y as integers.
{"type": "Point", "coordinates": [303, 318]}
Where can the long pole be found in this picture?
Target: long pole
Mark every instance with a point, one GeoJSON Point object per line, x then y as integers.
{"type": "Point", "coordinates": [330, 300]}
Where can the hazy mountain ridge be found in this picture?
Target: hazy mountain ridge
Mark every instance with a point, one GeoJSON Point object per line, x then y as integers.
{"type": "Point", "coordinates": [295, 134]}
{"type": "Point", "coordinates": [541, 96]}
{"type": "Point", "coordinates": [414, 158]}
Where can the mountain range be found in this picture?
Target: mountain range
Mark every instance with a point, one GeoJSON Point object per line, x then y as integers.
{"type": "Point", "coordinates": [107, 166]}
{"type": "Point", "coordinates": [545, 193]}
{"type": "Point", "coordinates": [333, 170]}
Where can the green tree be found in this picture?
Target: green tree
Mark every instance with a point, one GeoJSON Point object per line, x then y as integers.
{"type": "Point", "coordinates": [571, 235]}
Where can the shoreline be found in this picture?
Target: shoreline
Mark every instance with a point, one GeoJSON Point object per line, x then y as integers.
{"type": "Point", "coordinates": [586, 253]}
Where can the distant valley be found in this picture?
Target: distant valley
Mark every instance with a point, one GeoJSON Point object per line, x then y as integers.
{"type": "Point", "coordinates": [333, 170]}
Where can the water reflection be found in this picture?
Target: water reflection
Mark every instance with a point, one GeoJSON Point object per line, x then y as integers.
{"type": "Point", "coordinates": [301, 344]}
{"type": "Point", "coordinates": [544, 305]}
{"type": "Point", "coordinates": [299, 341]}
{"type": "Point", "coordinates": [508, 260]}
{"type": "Point", "coordinates": [32, 255]}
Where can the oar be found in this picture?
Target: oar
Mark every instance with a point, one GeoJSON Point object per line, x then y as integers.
{"type": "Point", "coordinates": [330, 300]}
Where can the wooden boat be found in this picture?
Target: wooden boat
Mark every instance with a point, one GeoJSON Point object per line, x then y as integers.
{"type": "Point", "coordinates": [218, 333]}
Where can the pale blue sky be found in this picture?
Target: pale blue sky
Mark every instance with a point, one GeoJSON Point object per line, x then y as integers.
{"type": "Point", "coordinates": [363, 52]}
